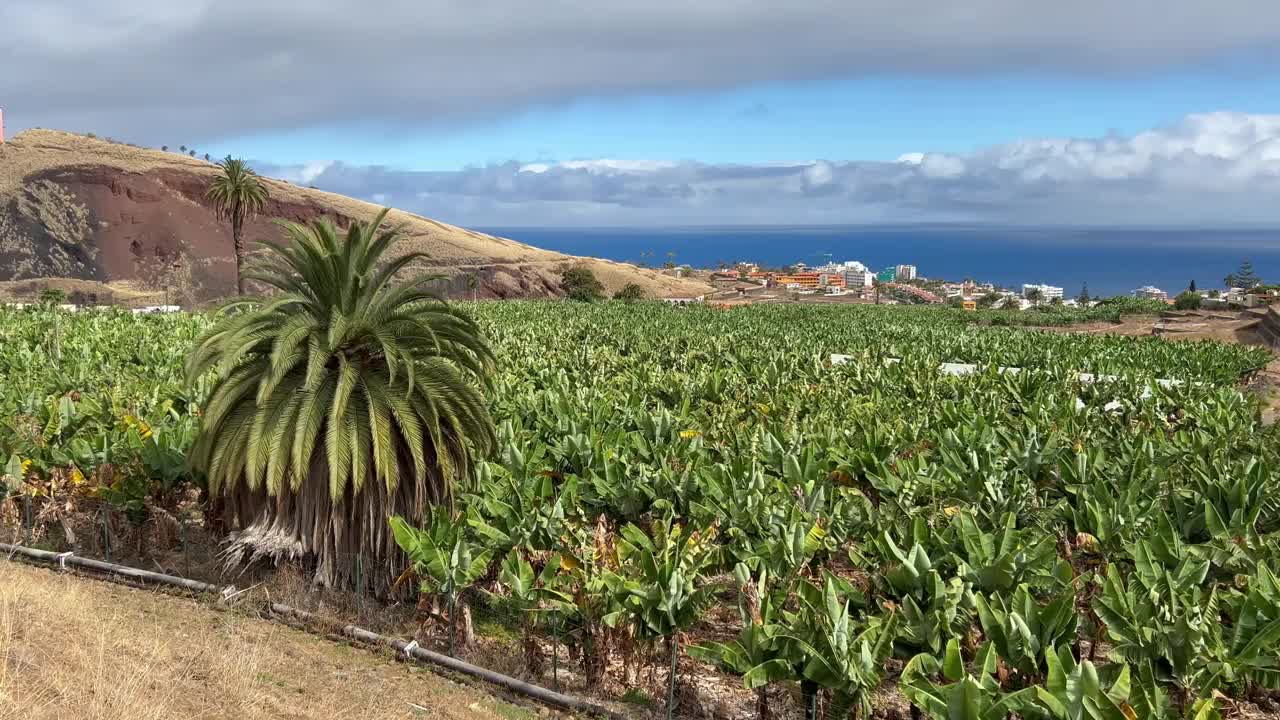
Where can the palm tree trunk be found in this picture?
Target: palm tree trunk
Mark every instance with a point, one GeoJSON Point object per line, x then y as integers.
{"type": "Point", "coordinates": [237, 239]}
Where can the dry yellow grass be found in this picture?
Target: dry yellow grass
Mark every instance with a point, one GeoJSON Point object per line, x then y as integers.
{"type": "Point", "coordinates": [73, 647]}
{"type": "Point", "coordinates": [452, 248]}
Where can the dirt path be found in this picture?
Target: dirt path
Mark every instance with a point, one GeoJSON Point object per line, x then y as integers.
{"type": "Point", "coordinates": [77, 647]}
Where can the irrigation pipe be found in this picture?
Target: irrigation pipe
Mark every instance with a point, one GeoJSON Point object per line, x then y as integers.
{"type": "Point", "coordinates": [409, 649]}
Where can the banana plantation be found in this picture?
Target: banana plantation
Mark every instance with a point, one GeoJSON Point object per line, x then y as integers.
{"type": "Point", "coordinates": [686, 495]}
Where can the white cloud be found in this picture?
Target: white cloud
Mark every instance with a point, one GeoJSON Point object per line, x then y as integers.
{"type": "Point", "coordinates": [1205, 169]}
{"type": "Point", "coordinates": [607, 165]}
{"type": "Point", "coordinates": [935, 165]}
{"type": "Point", "coordinates": [307, 173]}
{"type": "Point", "coordinates": [818, 174]}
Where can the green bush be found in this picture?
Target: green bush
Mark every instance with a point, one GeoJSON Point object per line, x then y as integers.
{"type": "Point", "coordinates": [579, 283]}
{"type": "Point", "coordinates": [1188, 301]}
{"type": "Point", "coordinates": [629, 293]}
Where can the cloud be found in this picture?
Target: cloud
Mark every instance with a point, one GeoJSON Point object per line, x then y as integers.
{"type": "Point", "coordinates": [1215, 168]}
{"type": "Point", "coordinates": [142, 70]}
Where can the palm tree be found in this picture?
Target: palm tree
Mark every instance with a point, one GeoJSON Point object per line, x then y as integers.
{"type": "Point", "coordinates": [237, 194]}
{"type": "Point", "coordinates": [339, 401]}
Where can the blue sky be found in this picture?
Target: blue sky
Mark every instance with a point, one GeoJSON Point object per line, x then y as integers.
{"type": "Point", "coordinates": [876, 118]}
{"type": "Point", "coordinates": [639, 112]}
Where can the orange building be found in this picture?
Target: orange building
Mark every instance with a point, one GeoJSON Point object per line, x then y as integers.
{"type": "Point", "coordinates": [804, 280]}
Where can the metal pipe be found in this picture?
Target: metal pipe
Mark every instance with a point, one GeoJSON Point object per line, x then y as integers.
{"type": "Point", "coordinates": [536, 692]}
{"type": "Point", "coordinates": [122, 570]}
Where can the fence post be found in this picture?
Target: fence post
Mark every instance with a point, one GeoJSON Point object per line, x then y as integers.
{"type": "Point", "coordinates": [671, 681]}
{"type": "Point", "coordinates": [453, 625]}
{"type": "Point", "coordinates": [106, 532]}
{"type": "Point", "coordinates": [186, 554]}
{"type": "Point", "coordinates": [555, 656]}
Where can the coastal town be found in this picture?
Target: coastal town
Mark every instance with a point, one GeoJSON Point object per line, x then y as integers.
{"type": "Point", "coordinates": [856, 282]}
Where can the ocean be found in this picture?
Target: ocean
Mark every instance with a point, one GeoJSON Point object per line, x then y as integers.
{"type": "Point", "coordinates": [1112, 261]}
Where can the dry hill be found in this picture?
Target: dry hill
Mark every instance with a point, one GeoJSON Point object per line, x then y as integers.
{"type": "Point", "coordinates": [82, 208]}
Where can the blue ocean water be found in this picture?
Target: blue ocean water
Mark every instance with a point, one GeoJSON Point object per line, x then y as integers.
{"type": "Point", "coordinates": [1111, 260]}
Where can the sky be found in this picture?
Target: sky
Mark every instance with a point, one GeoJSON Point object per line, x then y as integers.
{"type": "Point", "coordinates": [627, 113]}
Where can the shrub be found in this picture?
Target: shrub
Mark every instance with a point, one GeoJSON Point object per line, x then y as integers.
{"type": "Point", "coordinates": [629, 293]}
{"type": "Point", "coordinates": [579, 283]}
{"type": "Point", "coordinates": [53, 296]}
{"type": "Point", "coordinates": [1187, 301]}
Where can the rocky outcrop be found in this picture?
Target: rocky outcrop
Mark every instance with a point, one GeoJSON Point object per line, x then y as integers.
{"type": "Point", "coordinates": [83, 208]}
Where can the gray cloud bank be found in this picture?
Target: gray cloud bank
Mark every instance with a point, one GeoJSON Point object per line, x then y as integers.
{"type": "Point", "coordinates": [1215, 168]}
{"type": "Point", "coordinates": [149, 70]}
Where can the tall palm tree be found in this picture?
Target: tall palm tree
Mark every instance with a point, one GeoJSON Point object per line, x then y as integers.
{"type": "Point", "coordinates": [339, 401]}
{"type": "Point", "coordinates": [237, 194]}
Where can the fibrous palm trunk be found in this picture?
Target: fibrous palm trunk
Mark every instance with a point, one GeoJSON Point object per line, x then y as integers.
{"type": "Point", "coordinates": [348, 543]}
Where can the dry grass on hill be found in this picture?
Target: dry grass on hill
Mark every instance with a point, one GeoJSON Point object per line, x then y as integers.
{"type": "Point", "coordinates": [72, 647]}
{"type": "Point", "coordinates": [453, 250]}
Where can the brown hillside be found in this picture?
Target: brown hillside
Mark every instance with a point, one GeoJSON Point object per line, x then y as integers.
{"type": "Point", "coordinates": [82, 208]}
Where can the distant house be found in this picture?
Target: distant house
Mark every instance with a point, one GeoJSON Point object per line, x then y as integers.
{"type": "Point", "coordinates": [1150, 292]}
{"type": "Point", "coordinates": [156, 309]}
{"type": "Point", "coordinates": [681, 301]}
{"type": "Point", "coordinates": [1047, 292]}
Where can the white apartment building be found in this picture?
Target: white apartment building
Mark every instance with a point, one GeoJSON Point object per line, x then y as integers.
{"type": "Point", "coordinates": [906, 272]}
{"type": "Point", "coordinates": [841, 267]}
{"type": "Point", "coordinates": [1047, 292]}
{"type": "Point", "coordinates": [854, 279]}
{"type": "Point", "coordinates": [1150, 292]}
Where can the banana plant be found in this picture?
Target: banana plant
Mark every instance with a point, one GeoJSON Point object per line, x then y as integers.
{"type": "Point", "coordinates": [588, 577]}
{"type": "Point", "coordinates": [1000, 561]}
{"type": "Point", "coordinates": [933, 610]}
{"type": "Point", "coordinates": [1161, 621]}
{"type": "Point", "coordinates": [1074, 691]}
{"type": "Point", "coordinates": [1023, 632]}
{"type": "Point", "coordinates": [761, 653]}
{"type": "Point", "coordinates": [448, 565]}
{"type": "Point", "coordinates": [662, 589]}
{"type": "Point", "coordinates": [532, 595]}
{"type": "Point", "coordinates": [944, 690]}
{"type": "Point", "coordinates": [1248, 652]}
{"type": "Point", "coordinates": [838, 657]}
{"type": "Point", "coordinates": [526, 513]}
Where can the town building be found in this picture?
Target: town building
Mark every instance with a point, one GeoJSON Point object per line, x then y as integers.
{"type": "Point", "coordinates": [1150, 292]}
{"type": "Point", "coordinates": [855, 279]}
{"type": "Point", "coordinates": [1047, 292]}
{"type": "Point", "coordinates": [800, 280]}
{"type": "Point", "coordinates": [905, 272]}
{"type": "Point", "coordinates": [841, 267]}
